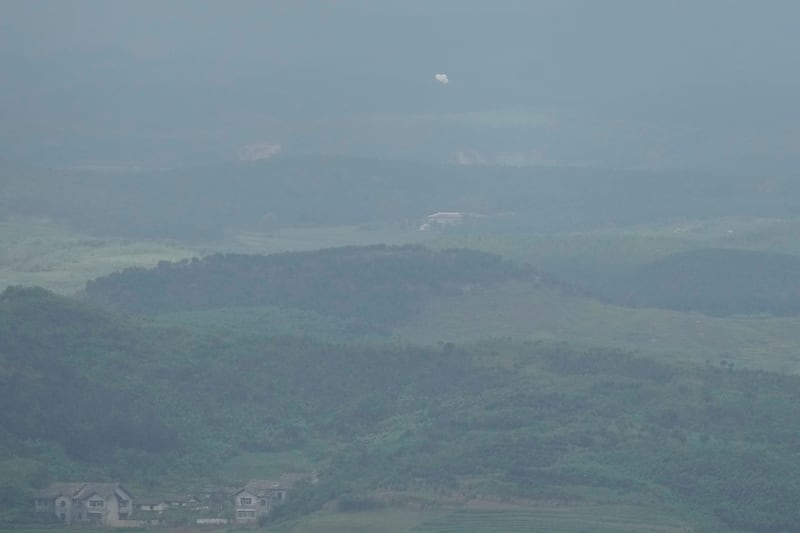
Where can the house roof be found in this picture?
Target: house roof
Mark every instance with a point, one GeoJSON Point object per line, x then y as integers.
{"type": "Point", "coordinates": [180, 498]}
{"type": "Point", "coordinates": [60, 488]}
{"type": "Point", "coordinates": [151, 500]}
{"type": "Point", "coordinates": [262, 487]}
{"type": "Point", "coordinates": [446, 214]}
{"type": "Point", "coordinates": [104, 490]}
{"type": "Point", "coordinates": [210, 491]}
{"type": "Point", "coordinates": [82, 490]}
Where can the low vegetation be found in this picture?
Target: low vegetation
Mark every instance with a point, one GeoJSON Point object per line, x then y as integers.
{"type": "Point", "coordinates": [520, 311]}
{"type": "Point", "coordinates": [40, 252]}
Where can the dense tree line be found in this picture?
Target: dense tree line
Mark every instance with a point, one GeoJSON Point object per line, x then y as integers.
{"type": "Point", "coordinates": [376, 284]}
{"type": "Point", "coordinates": [718, 282]}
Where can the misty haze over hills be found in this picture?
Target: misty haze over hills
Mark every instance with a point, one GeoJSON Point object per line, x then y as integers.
{"type": "Point", "coordinates": [613, 84]}
{"type": "Point", "coordinates": [451, 265]}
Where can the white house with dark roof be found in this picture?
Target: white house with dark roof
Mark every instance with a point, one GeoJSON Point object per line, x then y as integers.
{"type": "Point", "coordinates": [108, 504]}
{"type": "Point", "coordinates": [258, 497]}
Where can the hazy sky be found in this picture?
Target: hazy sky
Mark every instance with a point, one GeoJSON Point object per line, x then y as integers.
{"type": "Point", "coordinates": [668, 81]}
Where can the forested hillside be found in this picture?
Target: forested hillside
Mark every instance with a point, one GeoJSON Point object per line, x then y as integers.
{"type": "Point", "coordinates": [68, 376]}
{"type": "Point", "coordinates": [374, 284]}
{"type": "Point", "coordinates": [718, 282]}
{"type": "Point", "coordinates": [541, 420]}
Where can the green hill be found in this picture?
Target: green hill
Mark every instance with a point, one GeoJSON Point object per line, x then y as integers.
{"type": "Point", "coordinates": [520, 311]}
{"type": "Point", "coordinates": [418, 295]}
{"type": "Point", "coordinates": [375, 284]}
{"type": "Point", "coordinates": [717, 282]}
{"type": "Point", "coordinates": [532, 420]}
{"type": "Point", "coordinates": [66, 376]}
{"type": "Point", "coordinates": [719, 267]}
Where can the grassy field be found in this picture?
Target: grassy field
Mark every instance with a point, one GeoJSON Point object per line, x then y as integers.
{"type": "Point", "coordinates": [524, 311]}
{"type": "Point", "coordinates": [40, 252]}
{"type": "Point", "coordinates": [482, 517]}
{"type": "Point", "coordinates": [587, 258]}
{"type": "Point", "coordinates": [385, 521]}
{"type": "Point", "coordinates": [588, 519]}
{"type": "Point", "coordinates": [473, 519]}
{"type": "Point", "coordinates": [266, 320]}
{"type": "Point", "coordinates": [301, 239]}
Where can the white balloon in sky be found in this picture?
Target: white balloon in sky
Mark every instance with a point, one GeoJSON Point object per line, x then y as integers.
{"type": "Point", "coordinates": [442, 78]}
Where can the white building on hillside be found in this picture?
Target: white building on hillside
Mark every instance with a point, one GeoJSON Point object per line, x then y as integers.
{"type": "Point", "coordinates": [442, 219]}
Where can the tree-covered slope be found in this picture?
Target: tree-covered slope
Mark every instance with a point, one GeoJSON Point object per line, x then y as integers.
{"type": "Point", "coordinates": [376, 284]}
{"type": "Point", "coordinates": [528, 420]}
{"type": "Point", "coordinates": [65, 376]}
{"type": "Point", "coordinates": [717, 282]}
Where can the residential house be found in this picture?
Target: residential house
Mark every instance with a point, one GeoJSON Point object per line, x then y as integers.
{"type": "Point", "coordinates": [108, 504]}
{"type": "Point", "coordinates": [182, 500]}
{"type": "Point", "coordinates": [259, 497]}
{"type": "Point", "coordinates": [213, 499]}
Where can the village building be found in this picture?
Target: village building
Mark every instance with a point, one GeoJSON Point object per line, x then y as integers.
{"type": "Point", "coordinates": [107, 504]}
{"type": "Point", "coordinates": [151, 504]}
{"type": "Point", "coordinates": [182, 500]}
{"type": "Point", "coordinates": [442, 219]}
{"type": "Point", "coordinates": [259, 497]}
